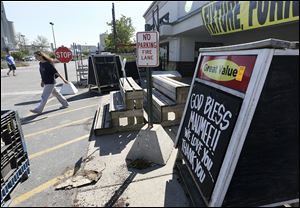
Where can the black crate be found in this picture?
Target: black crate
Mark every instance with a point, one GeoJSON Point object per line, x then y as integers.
{"type": "Point", "coordinates": [19, 175]}
{"type": "Point", "coordinates": [14, 157]}
{"type": "Point", "coordinates": [8, 169]}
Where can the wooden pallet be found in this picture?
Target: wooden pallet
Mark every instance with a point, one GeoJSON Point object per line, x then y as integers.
{"type": "Point", "coordinates": [102, 124]}
{"type": "Point", "coordinates": [131, 92]}
{"type": "Point", "coordinates": [118, 110]}
{"type": "Point", "coordinates": [175, 90]}
{"type": "Point", "coordinates": [114, 117]}
{"type": "Point", "coordinates": [165, 111]}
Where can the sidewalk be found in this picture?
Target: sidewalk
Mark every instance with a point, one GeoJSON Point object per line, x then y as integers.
{"type": "Point", "coordinates": [155, 186]}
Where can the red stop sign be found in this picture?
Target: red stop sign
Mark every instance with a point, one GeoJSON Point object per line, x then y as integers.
{"type": "Point", "coordinates": [63, 54]}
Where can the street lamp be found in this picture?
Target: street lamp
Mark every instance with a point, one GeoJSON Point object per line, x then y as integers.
{"type": "Point", "coordinates": [23, 37]}
{"type": "Point", "coordinates": [51, 23]}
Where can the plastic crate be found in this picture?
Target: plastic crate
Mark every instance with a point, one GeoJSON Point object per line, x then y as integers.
{"type": "Point", "coordinates": [14, 157]}
{"type": "Point", "coordinates": [11, 130]}
{"type": "Point", "coordinates": [21, 173]}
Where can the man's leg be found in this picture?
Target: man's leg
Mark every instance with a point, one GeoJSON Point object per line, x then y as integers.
{"type": "Point", "coordinates": [60, 97]}
{"type": "Point", "coordinates": [14, 70]}
{"type": "Point", "coordinates": [9, 70]}
{"type": "Point", "coordinates": [48, 88]}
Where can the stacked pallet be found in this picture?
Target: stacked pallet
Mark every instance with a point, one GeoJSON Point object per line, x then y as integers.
{"type": "Point", "coordinates": [169, 98]}
{"type": "Point", "coordinates": [124, 112]}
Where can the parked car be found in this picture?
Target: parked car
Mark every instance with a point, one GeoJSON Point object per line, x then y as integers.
{"type": "Point", "coordinates": [29, 58]}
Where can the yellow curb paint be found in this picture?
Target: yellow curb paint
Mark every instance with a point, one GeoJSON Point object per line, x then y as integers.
{"type": "Point", "coordinates": [56, 127]}
{"type": "Point", "coordinates": [57, 114]}
{"type": "Point", "coordinates": [58, 146]}
{"type": "Point", "coordinates": [38, 189]}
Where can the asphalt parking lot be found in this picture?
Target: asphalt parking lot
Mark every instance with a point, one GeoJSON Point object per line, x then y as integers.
{"type": "Point", "coordinates": [55, 139]}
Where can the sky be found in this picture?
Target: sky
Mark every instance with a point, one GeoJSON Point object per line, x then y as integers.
{"type": "Point", "coordinates": [79, 22]}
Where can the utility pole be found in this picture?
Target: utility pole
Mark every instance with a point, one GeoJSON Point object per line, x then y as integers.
{"type": "Point", "coordinates": [51, 23]}
{"type": "Point", "coordinates": [114, 27]}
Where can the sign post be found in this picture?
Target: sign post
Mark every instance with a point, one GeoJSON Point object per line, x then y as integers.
{"type": "Point", "coordinates": [147, 50]}
{"type": "Point", "coordinates": [64, 55]}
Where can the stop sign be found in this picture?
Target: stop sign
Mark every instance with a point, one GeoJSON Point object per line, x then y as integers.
{"type": "Point", "coordinates": [63, 54]}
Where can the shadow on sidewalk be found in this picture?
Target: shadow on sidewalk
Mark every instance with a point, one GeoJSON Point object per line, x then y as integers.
{"type": "Point", "coordinates": [28, 102]}
{"type": "Point", "coordinates": [114, 199]}
{"type": "Point", "coordinates": [31, 118]}
{"type": "Point", "coordinates": [175, 195]}
{"type": "Point", "coordinates": [82, 96]}
{"type": "Point", "coordinates": [113, 143]}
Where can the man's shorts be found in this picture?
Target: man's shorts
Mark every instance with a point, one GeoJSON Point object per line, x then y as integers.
{"type": "Point", "coordinates": [12, 67]}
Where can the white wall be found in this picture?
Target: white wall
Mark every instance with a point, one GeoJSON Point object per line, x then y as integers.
{"type": "Point", "coordinates": [174, 45]}
{"type": "Point", "coordinates": [171, 7]}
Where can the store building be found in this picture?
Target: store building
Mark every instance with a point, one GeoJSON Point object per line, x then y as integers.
{"type": "Point", "coordinates": [7, 31]}
{"type": "Point", "coordinates": [186, 26]}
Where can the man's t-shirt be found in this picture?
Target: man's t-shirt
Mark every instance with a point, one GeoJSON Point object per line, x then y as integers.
{"type": "Point", "coordinates": [47, 71]}
{"type": "Point", "coordinates": [10, 60]}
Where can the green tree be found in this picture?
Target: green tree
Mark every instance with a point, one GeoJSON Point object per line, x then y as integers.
{"type": "Point", "coordinates": [18, 55]}
{"type": "Point", "coordinates": [21, 41]}
{"type": "Point", "coordinates": [124, 33]}
{"type": "Point", "coordinates": [3, 54]}
{"type": "Point", "coordinates": [41, 43]}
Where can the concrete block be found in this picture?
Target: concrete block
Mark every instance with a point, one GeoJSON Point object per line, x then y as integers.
{"type": "Point", "coordinates": [151, 144]}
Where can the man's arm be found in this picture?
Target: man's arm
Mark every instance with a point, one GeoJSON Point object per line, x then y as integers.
{"type": "Point", "coordinates": [63, 79]}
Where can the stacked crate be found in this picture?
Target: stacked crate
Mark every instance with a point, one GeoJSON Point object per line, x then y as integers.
{"type": "Point", "coordinates": [14, 157]}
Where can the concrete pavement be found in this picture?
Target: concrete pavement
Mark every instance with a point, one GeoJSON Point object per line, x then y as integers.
{"type": "Point", "coordinates": [155, 186]}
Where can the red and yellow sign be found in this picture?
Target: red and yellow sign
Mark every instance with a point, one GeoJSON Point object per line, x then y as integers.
{"type": "Point", "coordinates": [230, 71]}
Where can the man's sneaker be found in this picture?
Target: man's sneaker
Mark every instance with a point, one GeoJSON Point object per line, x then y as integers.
{"type": "Point", "coordinates": [34, 111]}
{"type": "Point", "coordinates": [64, 106]}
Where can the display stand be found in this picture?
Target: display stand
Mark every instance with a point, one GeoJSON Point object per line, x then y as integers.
{"type": "Point", "coordinates": [239, 135]}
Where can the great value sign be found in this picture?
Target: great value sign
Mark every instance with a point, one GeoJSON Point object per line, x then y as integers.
{"type": "Point", "coordinates": [230, 71]}
{"type": "Point", "coordinates": [147, 49]}
{"type": "Point", "coordinates": [63, 54]}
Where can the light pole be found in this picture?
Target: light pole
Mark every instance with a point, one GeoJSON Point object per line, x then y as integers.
{"type": "Point", "coordinates": [51, 23]}
{"type": "Point", "coordinates": [23, 40]}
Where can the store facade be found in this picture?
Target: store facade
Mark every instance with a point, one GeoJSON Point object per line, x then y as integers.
{"type": "Point", "coordinates": [187, 26]}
